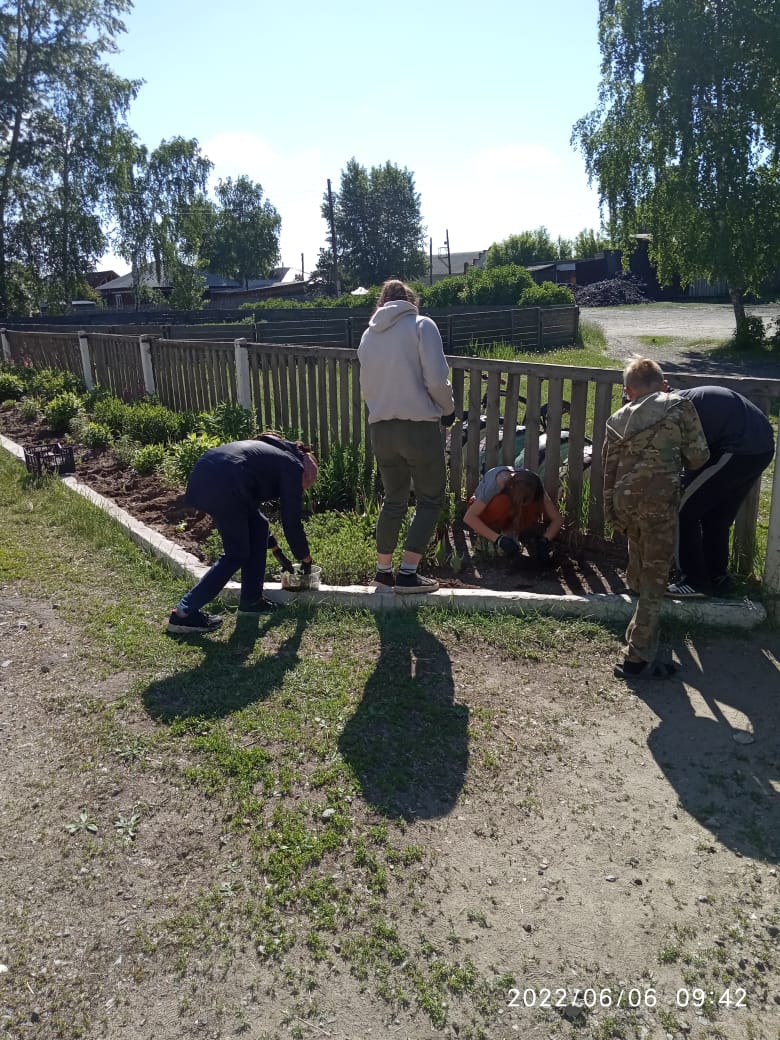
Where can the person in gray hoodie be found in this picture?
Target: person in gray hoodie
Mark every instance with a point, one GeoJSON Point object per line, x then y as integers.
{"type": "Point", "coordinates": [647, 443]}
{"type": "Point", "coordinates": [404, 378]}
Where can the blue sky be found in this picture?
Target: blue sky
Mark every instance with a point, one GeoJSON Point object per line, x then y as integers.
{"type": "Point", "coordinates": [477, 99]}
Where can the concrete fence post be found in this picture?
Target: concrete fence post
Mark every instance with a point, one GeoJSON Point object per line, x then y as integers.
{"type": "Point", "coordinates": [772, 564]}
{"type": "Point", "coordinates": [86, 360]}
{"type": "Point", "coordinates": [243, 383]}
{"type": "Point", "coordinates": [145, 346]}
{"type": "Point", "coordinates": [6, 346]}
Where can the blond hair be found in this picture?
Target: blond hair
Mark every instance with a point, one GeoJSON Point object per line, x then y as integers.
{"type": "Point", "coordinates": [395, 289]}
{"type": "Point", "coordinates": [643, 374]}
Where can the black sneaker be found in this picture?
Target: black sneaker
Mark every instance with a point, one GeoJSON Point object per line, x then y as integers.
{"type": "Point", "coordinates": [260, 606]}
{"type": "Point", "coordinates": [414, 583]}
{"type": "Point", "coordinates": [195, 622]}
{"type": "Point", "coordinates": [384, 581]}
{"type": "Point", "coordinates": [723, 586]}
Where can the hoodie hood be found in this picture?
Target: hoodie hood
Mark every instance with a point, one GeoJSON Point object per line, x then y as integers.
{"type": "Point", "coordinates": [640, 415]}
{"type": "Point", "coordinates": [386, 316]}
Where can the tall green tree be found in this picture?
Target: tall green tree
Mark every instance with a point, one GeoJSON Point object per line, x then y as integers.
{"type": "Point", "coordinates": [58, 104]}
{"type": "Point", "coordinates": [589, 242]}
{"type": "Point", "coordinates": [685, 141]}
{"type": "Point", "coordinates": [158, 203]}
{"type": "Point", "coordinates": [379, 229]}
{"type": "Point", "coordinates": [243, 241]}
{"type": "Point", "coordinates": [527, 247]}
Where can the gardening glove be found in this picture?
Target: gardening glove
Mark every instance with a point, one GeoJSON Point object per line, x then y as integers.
{"type": "Point", "coordinates": [507, 545]}
{"type": "Point", "coordinates": [448, 420]}
{"type": "Point", "coordinates": [284, 561]}
{"type": "Point", "coordinates": [543, 551]}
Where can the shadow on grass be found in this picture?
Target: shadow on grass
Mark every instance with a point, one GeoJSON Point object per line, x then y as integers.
{"type": "Point", "coordinates": [221, 682]}
{"type": "Point", "coordinates": [407, 742]}
{"type": "Point", "coordinates": [731, 696]}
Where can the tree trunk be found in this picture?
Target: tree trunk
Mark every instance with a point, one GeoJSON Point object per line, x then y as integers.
{"type": "Point", "coordinates": [738, 303]}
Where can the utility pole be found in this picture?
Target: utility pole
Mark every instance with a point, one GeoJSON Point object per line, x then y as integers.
{"type": "Point", "coordinates": [332, 216]}
{"type": "Point", "coordinates": [449, 258]}
{"type": "Point", "coordinates": [430, 261]}
{"type": "Point", "coordinates": [303, 271]}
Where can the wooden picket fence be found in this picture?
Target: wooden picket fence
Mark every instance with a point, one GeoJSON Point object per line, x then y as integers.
{"type": "Point", "coordinates": [313, 392]}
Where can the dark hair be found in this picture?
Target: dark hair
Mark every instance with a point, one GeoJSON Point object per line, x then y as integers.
{"type": "Point", "coordinates": [395, 289]}
{"type": "Point", "coordinates": [272, 435]}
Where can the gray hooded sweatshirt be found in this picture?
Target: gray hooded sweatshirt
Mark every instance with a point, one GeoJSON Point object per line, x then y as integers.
{"type": "Point", "coordinates": [403, 371]}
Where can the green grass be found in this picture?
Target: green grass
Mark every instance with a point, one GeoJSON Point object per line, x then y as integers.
{"type": "Point", "coordinates": [317, 741]}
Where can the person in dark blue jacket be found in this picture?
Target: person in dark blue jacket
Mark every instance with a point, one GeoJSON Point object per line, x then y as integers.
{"type": "Point", "coordinates": [742, 445]}
{"type": "Point", "coordinates": [230, 482]}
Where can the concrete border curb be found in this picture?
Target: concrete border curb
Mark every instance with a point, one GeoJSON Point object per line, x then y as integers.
{"type": "Point", "coordinates": [610, 608]}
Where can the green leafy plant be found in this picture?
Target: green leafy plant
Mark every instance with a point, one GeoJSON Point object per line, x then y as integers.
{"type": "Point", "coordinates": [229, 422]}
{"type": "Point", "coordinates": [124, 449]}
{"type": "Point", "coordinates": [181, 457]}
{"type": "Point", "coordinates": [750, 334]}
{"type": "Point", "coordinates": [47, 383]}
{"type": "Point", "coordinates": [150, 423]}
{"type": "Point", "coordinates": [548, 294]}
{"type": "Point", "coordinates": [29, 408]}
{"type": "Point", "coordinates": [84, 823]}
{"type": "Point", "coordinates": [345, 481]}
{"type": "Point", "coordinates": [127, 826]}
{"type": "Point", "coordinates": [149, 458]}
{"type": "Point", "coordinates": [212, 547]}
{"type": "Point", "coordinates": [61, 410]}
{"type": "Point", "coordinates": [11, 387]}
{"type": "Point", "coordinates": [96, 436]}
{"type": "Point", "coordinates": [112, 412]}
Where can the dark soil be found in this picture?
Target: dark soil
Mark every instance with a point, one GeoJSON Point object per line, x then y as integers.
{"type": "Point", "coordinates": [582, 563]}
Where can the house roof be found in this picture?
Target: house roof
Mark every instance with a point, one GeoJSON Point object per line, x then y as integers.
{"type": "Point", "coordinates": [212, 282]}
{"type": "Point", "coordinates": [457, 262]}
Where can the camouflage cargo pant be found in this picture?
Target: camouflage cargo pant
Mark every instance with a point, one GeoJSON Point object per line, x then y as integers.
{"type": "Point", "coordinates": [651, 540]}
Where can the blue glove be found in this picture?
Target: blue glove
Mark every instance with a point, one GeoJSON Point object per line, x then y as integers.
{"type": "Point", "coordinates": [507, 545]}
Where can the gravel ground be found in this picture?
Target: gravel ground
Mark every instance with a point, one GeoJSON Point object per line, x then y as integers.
{"type": "Point", "coordinates": [695, 327]}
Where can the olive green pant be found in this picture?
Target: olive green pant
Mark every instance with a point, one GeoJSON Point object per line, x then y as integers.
{"type": "Point", "coordinates": [409, 453]}
{"type": "Point", "coordinates": [650, 551]}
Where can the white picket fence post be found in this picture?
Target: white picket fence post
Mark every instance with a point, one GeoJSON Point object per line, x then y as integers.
{"type": "Point", "coordinates": [86, 360]}
{"type": "Point", "coordinates": [145, 346]}
{"type": "Point", "coordinates": [6, 347]}
{"type": "Point", "coordinates": [243, 383]}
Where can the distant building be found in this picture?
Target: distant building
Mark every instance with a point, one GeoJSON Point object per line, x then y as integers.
{"type": "Point", "coordinates": [218, 290]}
{"type": "Point", "coordinates": [457, 263]}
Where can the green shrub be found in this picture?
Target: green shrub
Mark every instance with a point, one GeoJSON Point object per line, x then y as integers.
{"type": "Point", "coordinates": [11, 387]}
{"type": "Point", "coordinates": [48, 383]}
{"type": "Point", "coordinates": [111, 412]}
{"type": "Point", "coordinates": [750, 334]}
{"type": "Point", "coordinates": [149, 458]}
{"type": "Point", "coordinates": [229, 422]}
{"type": "Point", "coordinates": [61, 410]}
{"type": "Point", "coordinates": [445, 293]}
{"type": "Point", "coordinates": [96, 436]}
{"type": "Point", "coordinates": [124, 449]}
{"type": "Point", "coordinates": [548, 294]}
{"type": "Point", "coordinates": [499, 285]}
{"type": "Point", "coordinates": [150, 423]}
{"type": "Point", "coordinates": [29, 409]}
{"type": "Point", "coordinates": [180, 458]}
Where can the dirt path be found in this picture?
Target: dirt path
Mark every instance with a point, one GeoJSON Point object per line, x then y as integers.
{"type": "Point", "coordinates": [704, 323]}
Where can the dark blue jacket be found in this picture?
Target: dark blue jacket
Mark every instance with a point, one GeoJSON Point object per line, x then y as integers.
{"type": "Point", "coordinates": [730, 422]}
{"type": "Point", "coordinates": [244, 474]}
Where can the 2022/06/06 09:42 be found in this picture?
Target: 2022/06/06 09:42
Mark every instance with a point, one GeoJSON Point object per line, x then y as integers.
{"type": "Point", "coordinates": [627, 997]}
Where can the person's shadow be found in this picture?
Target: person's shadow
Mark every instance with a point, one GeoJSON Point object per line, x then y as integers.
{"type": "Point", "coordinates": [222, 682]}
{"type": "Point", "coordinates": [407, 742]}
{"type": "Point", "coordinates": [717, 742]}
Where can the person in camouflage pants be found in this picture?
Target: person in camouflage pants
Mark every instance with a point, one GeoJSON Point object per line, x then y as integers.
{"type": "Point", "coordinates": [647, 443]}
